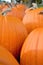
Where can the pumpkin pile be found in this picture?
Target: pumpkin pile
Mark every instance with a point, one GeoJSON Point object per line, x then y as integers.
{"type": "Point", "coordinates": [21, 35]}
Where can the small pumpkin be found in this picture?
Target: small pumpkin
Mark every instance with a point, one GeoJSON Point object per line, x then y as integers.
{"type": "Point", "coordinates": [21, 6]}
{"type": "Point", "coordinates": [12, 34]}
{"type": "Point", "coordinates": [32, 50]}
{"type": "Point", "coordinates": [6, 58]}
{"type": "Point", "coordinates": [33, 19]}
{"type": "Point", "coordinates": [18, 11]}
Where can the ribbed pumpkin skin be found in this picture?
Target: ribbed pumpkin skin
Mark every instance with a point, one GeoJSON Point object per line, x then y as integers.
{"type": "Point", "coordinates": [18, 11]}
{"type": "Point", "coordinates": [6, 57]}
{"type": "Point", "coordinates": [33, 19]}
{"type": "Point", "coordinates": [32, 50]}
{"type": "Point", "coordinates": [12, 34]}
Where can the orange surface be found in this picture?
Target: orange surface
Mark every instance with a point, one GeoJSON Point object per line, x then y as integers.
{"type": "Point", "coordinates": [18, 11]}
{"type": "Point", "coordinates": [12, 34]}
{"type": "Point", "coordinates": [32, 50]}
{"type": "Point", "coordinates": [33, 19]}
{"type": "Point", "coordinates": [6, 57]}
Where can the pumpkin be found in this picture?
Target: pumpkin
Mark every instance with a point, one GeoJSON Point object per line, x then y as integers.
{"type": "Point", "coordinates": [32, 50]}
{"type": "Point", "coordinates": [21, 6]}
{"type": "Point", "coordinates": [36, 10]}
{"type": "Point", "coordinates": [33, 19]}
{"type": "Point", "coordinates": [6, 58]}
{"type": "Point", "coordinates": [18, 11]}
{"type": "Point", "coordinates": [12, 34]}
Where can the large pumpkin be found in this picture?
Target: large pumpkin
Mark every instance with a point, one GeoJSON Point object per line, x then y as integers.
{"type": "Point", "coordinates": [33, 19]}
{"type": "Point", "coordinates": [32, 50]}
{"type": "Point", "coordinates": [18, 11]}
{"type": "Point", "coordinates": [12, 34]}
{"type": "Point", "coordinates": [6, 57]}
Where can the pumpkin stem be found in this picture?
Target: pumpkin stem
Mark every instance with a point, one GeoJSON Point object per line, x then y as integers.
{"type": "Point", "coordinates": [34, 6]}
{"type": "Point", "coordinates": [41, 12]}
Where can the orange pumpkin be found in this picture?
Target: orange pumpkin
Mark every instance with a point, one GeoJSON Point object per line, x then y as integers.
{"type": "Point", "coordinates": [6, 57]}
{"type": "Point", "coordinates": [21, 6]}
{"type": "Point", "coordinates": [32, 50]}
{"type": "Point", "coordinates": [12, 34]}
{"type": "Point", "coordinates": [18, 11]}
{"type": "Point", "coordinates": [33, 19]}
